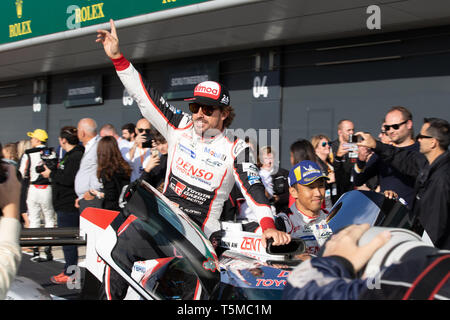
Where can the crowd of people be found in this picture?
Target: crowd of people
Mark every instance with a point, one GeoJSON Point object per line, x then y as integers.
{"type": "Point", "coordinates": [89, 168]}
{"type": "Point", "coordinates": [212, 176]}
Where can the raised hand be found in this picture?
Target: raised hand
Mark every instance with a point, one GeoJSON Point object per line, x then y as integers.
{"type": "Point", "coordinates": [110, 41]}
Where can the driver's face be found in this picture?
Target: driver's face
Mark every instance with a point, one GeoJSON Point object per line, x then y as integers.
{"type": "Point", "coordinates": [309, 197]}
{"type": "Point", "coordinates": [209, 125]}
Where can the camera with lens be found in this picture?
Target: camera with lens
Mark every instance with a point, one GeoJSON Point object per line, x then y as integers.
{"type": "Point", "coordinates": [49, 159]}
{"type": "Point", "coordinates": [279, 185]}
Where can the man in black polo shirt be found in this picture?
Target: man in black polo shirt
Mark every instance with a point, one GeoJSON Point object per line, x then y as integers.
{"type": "Point", "coordinates": [431, 169]}
{"type": "Point", "coordinates": [398, 126]}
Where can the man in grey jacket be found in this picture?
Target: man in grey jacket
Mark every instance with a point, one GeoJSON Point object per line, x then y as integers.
{"type": "Point", "coordinates": [86, 177]}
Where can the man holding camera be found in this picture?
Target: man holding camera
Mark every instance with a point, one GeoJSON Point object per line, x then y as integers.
{"type": "Point", "coordinates": [140, 151]}
{"type": "Point", "coordinates": [39, 198]}
{"type": "Point", "coordinates": [344, 158]}
{"type": "Point", "coordinates": [430, 169]}
{"type": "Point", "coordinates": [398, 126]}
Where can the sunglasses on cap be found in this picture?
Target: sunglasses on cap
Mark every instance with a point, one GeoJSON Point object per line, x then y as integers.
{"type": "Point", "coordinates": [207, 110]}
{"type": "Point", "coordinates": [147, 131]}
{"type": "Point", "coordinates": [394, 126]}
{"type": "Point", "coordinates": [326, 143]}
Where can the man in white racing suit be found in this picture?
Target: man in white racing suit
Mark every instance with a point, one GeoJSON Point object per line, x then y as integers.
{"type": "Point", "coordinates": [203, 161]}
{"type": "Point", "coordinates": [306, 219]}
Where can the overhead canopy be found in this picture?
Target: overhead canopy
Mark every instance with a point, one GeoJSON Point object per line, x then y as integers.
{"type": "Point", "coordinates": [209, 27]}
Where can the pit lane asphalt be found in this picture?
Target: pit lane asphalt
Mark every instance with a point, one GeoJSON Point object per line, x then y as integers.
{"type": "Point", "coordinates": [40, 272]}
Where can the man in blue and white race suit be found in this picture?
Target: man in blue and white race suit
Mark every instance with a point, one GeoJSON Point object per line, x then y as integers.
{"type": "Point", "coordinates": [203, 161]}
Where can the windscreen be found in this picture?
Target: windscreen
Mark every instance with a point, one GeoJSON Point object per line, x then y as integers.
{"type": "Point", "coordinates": [175, 258]}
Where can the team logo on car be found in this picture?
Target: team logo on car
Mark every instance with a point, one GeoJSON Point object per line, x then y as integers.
{"type": "Point", "coordinates": [209, 264]}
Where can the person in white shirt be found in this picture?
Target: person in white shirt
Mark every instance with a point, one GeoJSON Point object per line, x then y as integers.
{"type": "Point", "coordinates": [139, 153]}
{"type": "Point", "coordinates": [306, 219]}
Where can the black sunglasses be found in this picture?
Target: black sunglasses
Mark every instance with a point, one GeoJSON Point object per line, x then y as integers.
{"type": "Point", "coordinates": [421, 136]}
{"type": "Point", "coordinates": [147, 131]}
{"type": "Point", "coordinates": [326, 143]}
{"type": "Point", "coordinates": [207, 110]}
{"type": "Point", "coordinates": [394, 126]}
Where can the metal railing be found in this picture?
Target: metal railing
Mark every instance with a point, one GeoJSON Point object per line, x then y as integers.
{"type": "Point", "coordinates": [51, 237]}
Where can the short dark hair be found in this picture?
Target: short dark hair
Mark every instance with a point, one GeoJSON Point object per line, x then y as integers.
{"type": "Point", "coordinates": [440, 130]}
{"type": "Point", "coordinates": [158, 137]}
{"type": "Point", "coordinates": [130, 127]}
{"type": "Point", "coordinates": [70, 134]}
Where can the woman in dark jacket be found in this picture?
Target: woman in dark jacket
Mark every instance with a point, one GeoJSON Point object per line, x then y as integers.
{"type": "Point", "coordinates": [113, 171]}
{"type": "Point", "coordinates": [63, 195]}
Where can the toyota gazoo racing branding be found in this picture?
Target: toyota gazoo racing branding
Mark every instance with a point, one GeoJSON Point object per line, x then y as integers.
{"type": "Point", "coordinates": [209, 89]}
{"type": "Point", "coordinates": [188, 193]}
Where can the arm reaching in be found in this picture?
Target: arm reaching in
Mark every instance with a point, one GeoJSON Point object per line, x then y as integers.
{"type": "Point", "coordinates": [10, 254]}
{"type": "Point", "coordinates": [345, 245]}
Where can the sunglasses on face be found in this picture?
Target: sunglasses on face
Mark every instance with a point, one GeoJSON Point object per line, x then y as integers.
{"type": "Point", "coordinates": [324, 144]}
{"type": "Point", "coordinates": [394, 126]}
{"type": "Point", "coordinates": [147, 131]}
{"type": "Point", "coordinates": [207, 110]}
{"type": "Point", "coordinates": [421, 136]}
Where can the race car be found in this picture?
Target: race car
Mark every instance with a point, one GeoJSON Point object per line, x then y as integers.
{"type": "Point", "coordinates": [186, 265]}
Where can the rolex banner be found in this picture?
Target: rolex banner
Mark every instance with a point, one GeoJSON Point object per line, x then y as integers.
{"type": "Point", "coordinates": [24, 19]}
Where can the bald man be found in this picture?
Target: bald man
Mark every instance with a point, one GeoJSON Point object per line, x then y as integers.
{"type": "Point", "coordinates": [86, 177]}
{"type": "Point", "coordinates": [139, 155]}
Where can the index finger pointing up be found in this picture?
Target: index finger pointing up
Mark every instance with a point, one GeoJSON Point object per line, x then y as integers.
{"type": "Point", "coordinates": [113, 27]}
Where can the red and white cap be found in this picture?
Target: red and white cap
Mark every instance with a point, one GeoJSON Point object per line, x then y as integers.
{"type": "Point", "coordinates": [210, 93]}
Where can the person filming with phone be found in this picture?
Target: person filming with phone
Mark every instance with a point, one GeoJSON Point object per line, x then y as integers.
{"type": "Point", "coordinates": [140, 152]}
{"type": "Point", "coordinates": [430, 168]}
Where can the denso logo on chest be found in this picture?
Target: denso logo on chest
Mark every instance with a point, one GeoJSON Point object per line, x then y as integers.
{"type": "Point", "coordinates": [208, 89]}
{"type": "Point", "coordinates": [191, 170]}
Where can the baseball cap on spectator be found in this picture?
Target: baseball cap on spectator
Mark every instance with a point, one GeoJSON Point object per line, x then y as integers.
{"type": "Point", "coordinates": [210, 93]}
{"type": "Point", "coordinates": [305, 173]}
{"type": "Point", "coordinates": [39, 134]}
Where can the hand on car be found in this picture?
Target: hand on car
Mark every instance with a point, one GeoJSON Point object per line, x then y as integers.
{"type": "Point", "coordinates": [390, 194]}
{"type": "Point", "coordinates": [279, 237]}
